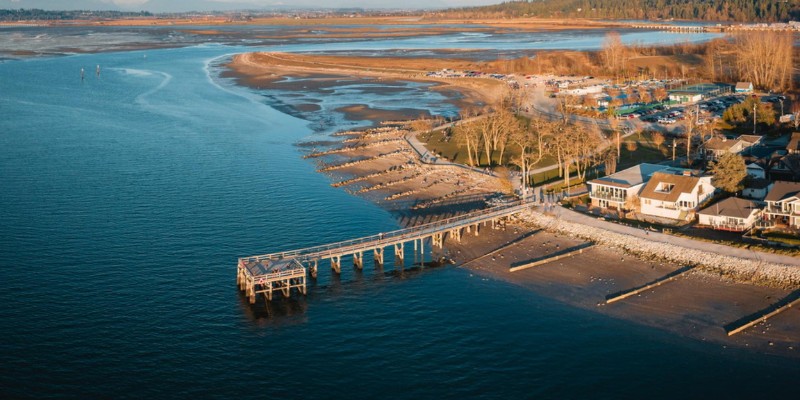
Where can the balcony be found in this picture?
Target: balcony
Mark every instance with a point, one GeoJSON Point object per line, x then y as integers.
{"type": "Point", "coordinates": [776, 209]}
{"type": "Point", "coordinates": [607, 196]}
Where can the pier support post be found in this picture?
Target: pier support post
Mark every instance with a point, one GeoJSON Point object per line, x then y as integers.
{"type": "Point", "coordinates": [476, 229]}
{"type": "Point", "coordinates": [438, 240]}
{"type": "Point", "coordinates": [287, 284]}
{"type": "Point", "coordinates": [377, 255]}
{"type": "Point", "coordinates": [358, 259]}
{"type": "Point", "coordinates": [313, 270]}
{"type": "Point", "coordinates": [421, 250]}
{"type": "Point", "coordinates": [398, 251]}
{"type": "Point", "coordinates": [251, 290]}
{"type": "Point", "coordinates": [336, 264]}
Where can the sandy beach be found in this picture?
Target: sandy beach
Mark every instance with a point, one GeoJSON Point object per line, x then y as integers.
{"type": "Point", "coordinates": [697, 304]}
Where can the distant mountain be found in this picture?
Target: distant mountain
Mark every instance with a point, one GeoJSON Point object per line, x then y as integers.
{"type": "Point", "coordinates": [705, 10]}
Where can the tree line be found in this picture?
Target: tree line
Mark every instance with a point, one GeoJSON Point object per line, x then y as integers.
{"type": "Point", "coordinates": [706, 10]}
{"type": "Point", "coordinates": [50, 15]}
{"type": "Point", "coordinates": [488, 140]}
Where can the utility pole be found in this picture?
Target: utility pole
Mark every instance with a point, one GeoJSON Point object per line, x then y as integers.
{"type": "Point", "coordinates": [755, 107]}
{"type": "Point", "coordinates": [674, 145]}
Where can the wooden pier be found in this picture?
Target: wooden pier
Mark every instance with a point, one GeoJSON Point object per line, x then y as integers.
{"type": "Point", "coordinates": [677, 28]}
{"type": "Point", "coordinates": [287, 270]}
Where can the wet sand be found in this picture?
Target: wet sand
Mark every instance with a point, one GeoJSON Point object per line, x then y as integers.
{"type": "Point", "coordinates": [260, 70]}
{"type": "Point", "coordinates": [695, 305]}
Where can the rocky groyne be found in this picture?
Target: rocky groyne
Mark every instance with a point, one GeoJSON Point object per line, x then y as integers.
{"type": "Point", "coordinates": [726, 266]}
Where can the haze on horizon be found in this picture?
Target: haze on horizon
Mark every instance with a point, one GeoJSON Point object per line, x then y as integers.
{"type": "Point", "coordinates": [223, 5]}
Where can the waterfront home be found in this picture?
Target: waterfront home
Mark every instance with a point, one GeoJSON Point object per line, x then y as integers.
{"type": "Point", "coordinates": [618, 190]}
{"type": "Point", "coordinates": [732, 214]}
{"type": "Point", "coordinates": [794, 144]}
{"type": "Point", "coordinates": [786, 168]}
{"type": "Point", "coordinates": [715, 147]}
{"type": "Point", "coordinates": [756, 188]}
{"type": "Point", "coordinates": [783, 203]}
{"type": "Point", "coordinates": [675, 196]}
{"type": "Point", "coordinates": [744, 87]}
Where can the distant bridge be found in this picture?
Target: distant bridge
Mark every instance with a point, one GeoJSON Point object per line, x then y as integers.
{"type": "Point", "coordinates": [283, 271]}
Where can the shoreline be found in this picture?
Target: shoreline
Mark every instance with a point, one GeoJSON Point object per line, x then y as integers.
{"type": "Point", "coordinates": [697, 305]}
{"type": "Point", "coordinates": [257, 70]}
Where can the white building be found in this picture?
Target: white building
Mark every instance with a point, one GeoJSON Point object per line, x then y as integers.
{"type": "Point", "coordinates": [618, 190]}
{"type": "Point", "coordinates": [675, 196]}
{"type": "Point", "coordinates": [756, 171]}
{"type": "Point", "coordinates": [732, 214]}
{"type": "Point", "coordinates": [783, 203]}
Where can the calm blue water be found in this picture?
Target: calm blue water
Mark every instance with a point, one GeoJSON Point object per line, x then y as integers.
{"type": "Point", "coordinates": [127, 198]}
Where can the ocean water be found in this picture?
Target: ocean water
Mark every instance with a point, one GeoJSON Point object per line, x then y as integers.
{"type": "Point", "coordinates": [126, 198]}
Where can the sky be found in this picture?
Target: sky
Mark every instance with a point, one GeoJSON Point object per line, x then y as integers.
{"type": "Point", "coordinates": [203, 5]}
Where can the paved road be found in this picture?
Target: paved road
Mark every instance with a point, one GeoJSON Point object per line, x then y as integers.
{"type": "Point", "coordinates": [566, 214]}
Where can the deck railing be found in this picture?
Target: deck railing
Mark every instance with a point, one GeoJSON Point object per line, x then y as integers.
{"type": "Point", "coordinates": [394, 237]}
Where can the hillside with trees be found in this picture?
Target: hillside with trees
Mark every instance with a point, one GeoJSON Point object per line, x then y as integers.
{"type": "Point", "coordinates": [706, 10]}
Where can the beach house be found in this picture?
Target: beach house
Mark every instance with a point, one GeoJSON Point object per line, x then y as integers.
{"type": "Point", "coordinates": [675, 196]}
{"type": "Point", "coordinates": [732, 214]}
{"type": "Point", "coordinates": [783, 203]}
{"type": "Point", "coordinates": [619, 190]}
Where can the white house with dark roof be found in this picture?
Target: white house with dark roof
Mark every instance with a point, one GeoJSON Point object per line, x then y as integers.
{"type": "Point", "coordinates": [717, 146]}
{"type": "Point", "coordinates": [783, 203]}
{"type": "Point", "coordinates": [756, 188]}
{"type": "Point", "coordinates": [732, 214]}
{"type": "Point", "coordinates": [618, 189]}
{"type": "Point", "coordinates": [675, 196]}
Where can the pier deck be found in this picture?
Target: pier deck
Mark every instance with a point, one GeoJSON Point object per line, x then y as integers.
{"type": "Point", "coordinates": [283, 270]}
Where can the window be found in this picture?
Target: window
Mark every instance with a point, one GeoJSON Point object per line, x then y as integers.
{"type": "Point", "coordinates": [664, 187]}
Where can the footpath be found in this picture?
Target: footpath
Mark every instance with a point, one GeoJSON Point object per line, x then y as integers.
{"type": "Point", "coordinates": [565, 214]}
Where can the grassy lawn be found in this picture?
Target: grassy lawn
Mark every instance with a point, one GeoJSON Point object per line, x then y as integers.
{"type": "Point", "coordinates": [783, 237]}
{"type": "Point", "coordinates": [451, 149]}
{"type": "Point", "coordinates": [645, 151]}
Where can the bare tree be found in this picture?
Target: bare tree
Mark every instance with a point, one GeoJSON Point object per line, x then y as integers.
{"type": "Point", "coordinates": [765, 59]}
{"type": "Point", "coordinates": [613, 52]}
{"type": "Point", "coordinates": [658, 140]}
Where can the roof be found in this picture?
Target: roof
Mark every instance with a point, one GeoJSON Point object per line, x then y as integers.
{"type": "Point", "coordinates": [794, 142]}
{"type": "Point", "coordinates": [723, 143]}
{"type": "Point", "coordinates": [783, 190]}
{"type": "Point", "coordinates": [744, 85]}
{"type": "Point", "coordinates": [789, 163]}
{"type": "Point", "coordinates": [758, 183]}
{"type": "Point", "coordinates": [630, 177]}
{"type": "Point", "coordinates": [752, 139]}
{"type": "Point", "coordinates": [755, 165]}
{"type": "Point", "coordinates": [720, 143]}
{"type": "Point", "coordinates": [731, 207]}
{"type": "Point", "coordinates": [683, 184]}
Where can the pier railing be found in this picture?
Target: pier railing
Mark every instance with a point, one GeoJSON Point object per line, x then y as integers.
{"type": "Point", "coordinates": [394, 237]}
